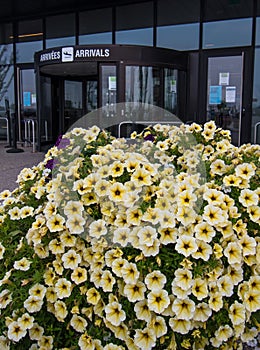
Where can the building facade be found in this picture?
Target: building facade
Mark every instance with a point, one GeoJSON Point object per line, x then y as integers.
{"type": "Point", "coordinates": [214, 72]}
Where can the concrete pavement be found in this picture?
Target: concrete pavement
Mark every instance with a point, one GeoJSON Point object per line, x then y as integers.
{"type": "Point", "coordinates": [12, 163]}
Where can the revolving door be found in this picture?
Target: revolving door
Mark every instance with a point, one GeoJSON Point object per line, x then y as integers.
{"type": "Point", "coordinates": [74, 81]}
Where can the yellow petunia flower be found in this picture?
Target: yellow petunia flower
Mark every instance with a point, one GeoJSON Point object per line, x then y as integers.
{"type": "Point", "coordinates": [78, 323]}
{"type": "Point", "coordinates": [114, 313]}
{"type": "Point", "coordinates": [135, 292]}
{"type": "Point", "coordinates": [183, 308]}
{"type": "Point", "coordinates": [55, 223]}
{"type": "Point", "coordinates": [158, 300]}
{"type": "Point", "coordinates": [145, 339]}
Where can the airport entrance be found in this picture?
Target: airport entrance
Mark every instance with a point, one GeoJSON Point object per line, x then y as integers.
{"type": "Point", "coordinates": [73, 81]}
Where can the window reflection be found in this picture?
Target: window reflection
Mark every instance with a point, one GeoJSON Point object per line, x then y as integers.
{"type": "Point", "coordinates": [256, 100]}
{"type": "Point", "coordinates": [60, 30]}
{"type": "Point", "coordinates": [99, 38]}
{"type": "Point", "coordinates": [257, 38]}
{"type": "Point", "coordinates": [6, 44]}
{"type": "Point", "coordinates": [73, 108]}
{"type": "Point", "coordinates": [227, 33]}
{"type": "Point", "coordinates": [177, 12]}
{"type": "Point", "coordinates": [25, 51]}
{"type": "Point", "coordinates": [134, 24]}
{"type": "Point", "coordinates": [170, 90]}
{"type": "Point", "coordinates": [179, 37]}
{"type": "Point", "coordinates": [95, 27]}
{"type": "Point", "coordinates": [227, 9]}
{"type": "Point", "coordinates": [142, 85]}
{"type": "Point", "coordinates": [30, 34]}
{"type": "Point", "coordinates": [136, 37]}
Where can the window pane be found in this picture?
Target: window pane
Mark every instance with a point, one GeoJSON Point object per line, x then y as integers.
{"type": "Point", "coordinates": [177, 12]}
{"type": "Point", "coordinates": [134, 16]}
{"type": "Point", "coordinates": [95, 27]}
{"type": "Point", "coordinates": [179, 37]}
{"type": "Point", "coordinates": [60, 30]}
{"type": "Point", "coordinates": [227, 33]}
{"type": "Point", "coordinates": [256, 99]}
{"type": "Point", "coordinates": [6, 46]}
{"type": "Point", "coordinates": [98, 21]}
{"type": "Point", "coordinates": [134, 24]}
{"type": "Point", "coordinates": [257, 39]}
{"type": "Point", "coordinates": [30, 34]}
{"type": "Point", "coordinates": [227, 9]}
{"type": "Point", "coordinates": [25, 51]}
{"type": "Point", "coordinates": [135, 37]}
{"type": "Point", "coordinates": [30, 31]}
{"type": "Point", "coordinates": [99, 38]}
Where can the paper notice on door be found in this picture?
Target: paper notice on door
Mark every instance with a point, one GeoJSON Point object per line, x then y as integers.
{"type": "Point", "coordinates": [111, 83]}
{"type": "Point", "coordinates": [173, 86]}
{"type": "Point", "coordinates": [230, 94]}
{"type": "Point", "coordinates": [223, 78]}
{"type": "Point", "coordinates": [215, 94]}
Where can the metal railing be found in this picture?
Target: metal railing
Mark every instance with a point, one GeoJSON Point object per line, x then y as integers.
{"type": "Point", "coordinates": [145, 122]}
{"type": "Point", "coordinates": [256, 131]}
{"type": "Point", "coordinates": [30, 126]}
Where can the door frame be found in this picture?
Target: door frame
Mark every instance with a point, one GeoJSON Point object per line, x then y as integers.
{"type": "Point", "coordinates": [247, 87]}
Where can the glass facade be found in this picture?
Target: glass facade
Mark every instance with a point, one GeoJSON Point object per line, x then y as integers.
{"type": "Point", "coordinates": [227, 9]}
{"type": "Point", "coordinates": [29, 40]}
{"type": "Point", "coordinates": [95, 27]}
{"type": "Point", "coordinates": [179, 37]}
{"type": "Point", "coordinates": [6, 76]}
{"type": "Point", "coordinates": [178, 24]}
{"type": "Point", "coordinates": [60, 30]}
{"type": "Point", "coordinates": [257, 39]}
{"type": "Point", "coordinates": [237, 32]}
{"type": "Point", "coordinates": [134, 24]}
{"type": "Point", "coordinates": [196, 26]}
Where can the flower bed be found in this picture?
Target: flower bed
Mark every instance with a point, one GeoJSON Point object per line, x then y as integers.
{"type": "Point", "coordinates": [150, 243]}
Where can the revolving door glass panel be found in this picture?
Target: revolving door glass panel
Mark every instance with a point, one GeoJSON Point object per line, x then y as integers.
{"type": "Point", "coordinates": [91, 95]}
{"type": "Point", "coordinates": [170, 90]}
{"type": "Point", "coordinates": [109, 89]}
{"type": "Point", "coordinates": [142, 84]}
{"type": "Point", "coordinates": [73, 107]}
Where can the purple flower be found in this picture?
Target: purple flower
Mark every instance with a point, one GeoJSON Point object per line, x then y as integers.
{"type": "Point", "coordinates": [62, 143]}
{"type": "Point", "coordinates": [149, 137]}
{"type": "Point", "coordinates": [51, 163]}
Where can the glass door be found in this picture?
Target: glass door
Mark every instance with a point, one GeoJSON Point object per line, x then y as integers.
{"type": "Point", "coordinates": [224, 93]}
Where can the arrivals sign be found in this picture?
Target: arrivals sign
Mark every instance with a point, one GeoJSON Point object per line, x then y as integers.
{"type": "Point", "coordinates": [73, 54]}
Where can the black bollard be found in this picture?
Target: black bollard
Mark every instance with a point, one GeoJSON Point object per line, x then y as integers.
{"type": "Point", "coordinates": [14, 148]}
{"type": "Point", "coordinates": [7, 113]}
